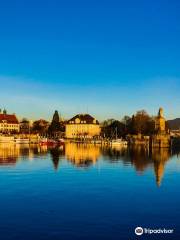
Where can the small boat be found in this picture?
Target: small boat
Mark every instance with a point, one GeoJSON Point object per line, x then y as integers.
{"type": "Point", "coordinates": [21, 140]}
{"type": "Point", "coordinates": [6, 139]}
{"type": "Point", "coordinates": [97, 141]}
{"type": "Point", "coordinates": [61, 140]}
{"type": "Point", "coordinates": [119, 142]}
{"type": "Point", "coordinates": [47, 142]}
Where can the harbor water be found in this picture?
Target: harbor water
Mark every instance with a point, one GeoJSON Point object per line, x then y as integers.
{"type": "Point", "coordinates": [84, 191]}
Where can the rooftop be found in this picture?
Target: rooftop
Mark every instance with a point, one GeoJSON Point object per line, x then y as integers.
{"type": "Point", "coordinates": [83, 118]}
{"type": "Point", "coordinates": [9, 118]}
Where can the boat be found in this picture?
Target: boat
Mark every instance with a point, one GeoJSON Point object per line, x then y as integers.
{"type": "Point", "coordinates": [97, 141]}
{"type": "Point", "coordinates": [119, 142]}
{"type": "Point", "coordinates": [6, 139]}
{"type": "Point", "coordinates": [22, 140]}
{"type": "Point", "coordinates": [47, 142]}
{"type": "Point", "coordinates": [52, 143]}
{"type": "Point", "coordinates": [61, 140]}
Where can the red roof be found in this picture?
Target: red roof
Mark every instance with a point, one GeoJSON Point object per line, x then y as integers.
{"type": "Point", "coordinates": [9, 118]}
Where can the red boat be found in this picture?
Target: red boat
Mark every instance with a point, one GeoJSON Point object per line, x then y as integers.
{"type": "Point", "coordinates": [51, 142]}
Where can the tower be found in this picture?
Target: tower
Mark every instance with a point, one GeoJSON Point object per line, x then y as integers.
{"type": "Point", "coordinates": [161, 138]}
{"type": "Point", "coordinates": [160, 122]}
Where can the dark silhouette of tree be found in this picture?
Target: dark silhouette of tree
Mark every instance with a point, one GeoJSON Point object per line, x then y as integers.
{"type": "Point", "coordinates": [56, 126]}
{"type": "Point", "coordinates": [139, 123]}
{"type": "Point", "coordinates": [25, 126]}
{"type": "Point", "coordinates": [114, 129]}
{"type": "Point", "coordinates": [40, 126]}
{"type": "Point", "coordinates": [118, 129]}
{"type": "Point", "coordinates": [127, 121]}
{"type": "Point", "coordinates": [142, 123]}
{"type": "Point", "coordinates": [132, 125]}
{"type": "Point", "coordinates": [150, 127]}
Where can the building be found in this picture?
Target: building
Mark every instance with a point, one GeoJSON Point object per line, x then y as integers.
{"type": "Point", "coordinates": [160, 122]}
{"type": "Point", "coordinates": [8, 123]}
{"type": "Point", "coordinates": [161, 138]}
{"type": "Point", "coordinates": [82, 126]}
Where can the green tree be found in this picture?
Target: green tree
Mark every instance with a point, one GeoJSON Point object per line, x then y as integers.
{"type": "Point", "coordinates": [40, 126]}
{"type": "Point", "coordinates": [117, 129]}
{"type": "Point", "coordinates": [4, 111]}
{"type": "Point", "coordinates": [55, 125]}
{"type": "Point", "coordinates": [126, 120]}
{"type": "Point", "coordinates": [114, 127]}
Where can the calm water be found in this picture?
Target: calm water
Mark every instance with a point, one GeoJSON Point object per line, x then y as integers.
{"type": "Point", "coordinates": [86, 192]}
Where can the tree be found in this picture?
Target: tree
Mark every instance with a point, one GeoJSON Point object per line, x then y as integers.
{"type": "Point", "coordinates": [142, 123]}
{"type": "Point", "coordinates": [40, 126]}
{"type": "Point", "coordinates": [118, 128]}
{"type": "Point", "coordinates": [56, 126]}
{"type": "Point", "coordinates": [25, 126]}
{"type": "Point", "coordinates": [126, 120]}
{"type": "Point", "coordinates": [114, 127]}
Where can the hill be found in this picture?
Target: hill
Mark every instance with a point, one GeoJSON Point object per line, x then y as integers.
{"type": "Point", "coordinates": [174, 124]}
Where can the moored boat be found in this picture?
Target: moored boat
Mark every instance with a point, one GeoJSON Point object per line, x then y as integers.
{"type": "Point", "coordinates": [21, 140]}
{"type": "Point", "coordinates": [119, 142]}
{"type": "Point", "coordinates": [51, 142]}
{"type": "Point", "coordinates": [6, 139]}
{"type": "Point", "coordinates": [47, 142]}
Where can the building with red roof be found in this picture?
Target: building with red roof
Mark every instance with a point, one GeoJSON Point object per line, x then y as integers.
{"type": "Point", "coordinates": [8, 123]}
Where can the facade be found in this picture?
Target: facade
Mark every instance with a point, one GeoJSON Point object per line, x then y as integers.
{"type": "Point", "coordinates": [160, 122]}
{"type": "Point", "coordinates": [161, 138]}
{"type": "Point", "coordinates": [82, 126]}
{"type": "Point", "coordinates": [8, 123]}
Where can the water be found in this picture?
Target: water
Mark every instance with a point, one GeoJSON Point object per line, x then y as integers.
{"type": "Point", "coordinates": [87, 192]}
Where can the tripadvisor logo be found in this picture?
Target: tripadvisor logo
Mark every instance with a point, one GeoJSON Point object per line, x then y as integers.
{"type": "Point", "coordinates": [139, 231]}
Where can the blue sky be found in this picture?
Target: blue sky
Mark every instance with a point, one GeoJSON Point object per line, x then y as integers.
{"type": "Point", "coordinates": [108, 58]}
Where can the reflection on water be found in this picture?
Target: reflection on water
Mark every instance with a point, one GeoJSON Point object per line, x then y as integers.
{"type": "Point", "coordinates": [86, 192]}
{"type": "Point", "coordinates": [85, 155]}
{"type": "Point", "coordinates": [82, 155]}
{"type": "Point", "coordinates": [56, 153]}
{"type": "Point", "coordinates": [142, 158]}
{"type": "Point", "coordinates": [160, 157]}
{"type": "Point", "coordinates": [9, 154]}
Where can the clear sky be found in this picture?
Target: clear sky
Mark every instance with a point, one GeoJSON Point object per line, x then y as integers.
{"type": "Point", "coordinates": [108, 58]}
